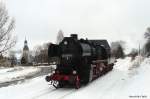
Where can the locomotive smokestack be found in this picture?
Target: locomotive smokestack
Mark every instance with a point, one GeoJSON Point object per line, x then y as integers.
{"type": "Point", "coordinates": [74, 36]}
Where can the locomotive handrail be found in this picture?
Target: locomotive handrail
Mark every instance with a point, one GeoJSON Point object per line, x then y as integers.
{"type": "Point", "coordinates": [98, 61]}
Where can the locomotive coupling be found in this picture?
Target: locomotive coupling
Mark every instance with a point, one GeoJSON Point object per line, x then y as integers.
{"type": "Point", "coordinates": [47, 78]}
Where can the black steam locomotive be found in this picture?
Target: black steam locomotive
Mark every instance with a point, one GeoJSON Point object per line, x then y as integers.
{"type": "Point", "coordinates": [80, 61]}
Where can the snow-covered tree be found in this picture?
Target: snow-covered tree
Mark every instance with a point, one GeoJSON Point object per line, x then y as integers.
{"type": "Point", "coordinates": [147, 33]}
{"type": "Point", "coordinates": [117, 49]}
{"type": "Point", "coordinates": [60, 36]}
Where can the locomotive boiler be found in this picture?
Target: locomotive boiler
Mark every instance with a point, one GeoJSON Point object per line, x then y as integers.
{"type": "Point", "coordinates": [80, 61]}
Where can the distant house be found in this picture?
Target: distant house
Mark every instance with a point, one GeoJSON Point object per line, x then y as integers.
{"type": "Point", "coordinates": [5, 62]}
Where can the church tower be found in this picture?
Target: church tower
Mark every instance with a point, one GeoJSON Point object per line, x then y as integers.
{"type": "Point", "coordinates": [25, 55]}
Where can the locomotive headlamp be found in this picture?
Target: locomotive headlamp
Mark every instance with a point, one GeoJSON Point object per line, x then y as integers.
{"type": "Point", "coordinates": [74, 72]}
{"type": "Point", "coordinates": [65, 42]}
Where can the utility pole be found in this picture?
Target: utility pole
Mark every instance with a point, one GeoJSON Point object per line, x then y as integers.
{"type": "Point", "coordinates": [139, 54]}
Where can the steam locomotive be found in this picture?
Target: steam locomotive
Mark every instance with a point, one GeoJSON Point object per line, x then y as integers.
{"type": "Point", "coordinates": [80, 61]}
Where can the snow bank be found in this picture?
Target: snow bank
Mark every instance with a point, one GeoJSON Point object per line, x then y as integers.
{"type": "Point", "coordinates": [123, 64]}
{"type": "Point", "coordinates": [128, 64]}
{"type": "Point", "coordinates": [4, 70]}
{"type": "Point", "coordinates": [16, 73]}
{"type": "Point", "coordinates": [53, 66]}
{"type": "Point", "coordinates": [24, 90]}
{"type": "Point", "coordinates": [138, 85]}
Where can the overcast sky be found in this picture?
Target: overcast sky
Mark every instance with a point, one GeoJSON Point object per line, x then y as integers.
{"type": "Point", "coordinates": [40, 20]}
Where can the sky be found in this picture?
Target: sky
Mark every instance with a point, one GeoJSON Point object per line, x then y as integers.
{"type": "Point", "coordinates": [40, 20]}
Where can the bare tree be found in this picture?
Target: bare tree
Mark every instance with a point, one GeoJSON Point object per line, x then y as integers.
{"type": "Point", "coordinates": [41, 54]}
{"type": "Point", "coordinates": [45, 52]}
{"type": "Point", "coordinates": [12, 58]}
{"type": "Point", "coordinates": [7, 41]}
{"type": "Point", "coordinates": [37, 57]}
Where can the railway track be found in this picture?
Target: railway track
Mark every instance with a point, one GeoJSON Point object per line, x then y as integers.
{"type": "Point", "coordinates": [55, 94]}
{"type": "Point", "coordinates": [44, 93]}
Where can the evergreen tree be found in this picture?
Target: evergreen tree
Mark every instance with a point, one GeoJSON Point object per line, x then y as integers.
{"type": "Point", "coordinates": [23, 60]}
{"type": "Point", "coordinates": [147, 44]}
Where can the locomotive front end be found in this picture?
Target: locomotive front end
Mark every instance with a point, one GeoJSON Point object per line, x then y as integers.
{"type": "Point", "coordinates": [66, 72]}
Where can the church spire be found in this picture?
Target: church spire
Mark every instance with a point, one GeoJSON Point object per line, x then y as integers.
{"type": "Point", "coordinates": [25, 45]}
{"type": "Point", "coordinates": [25, 42]}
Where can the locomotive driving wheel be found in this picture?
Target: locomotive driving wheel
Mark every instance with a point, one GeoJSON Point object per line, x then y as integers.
{"type": "Point", "coordinates": [77, 82]}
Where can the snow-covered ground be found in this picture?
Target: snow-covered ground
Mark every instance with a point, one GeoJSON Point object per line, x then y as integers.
{"type": "Point", "coordinates": [125, 81]}
{"type": "Point", "coordinates": [16, 73]}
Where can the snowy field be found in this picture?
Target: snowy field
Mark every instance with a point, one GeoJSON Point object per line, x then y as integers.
{"type": "Point", "coordinates": [16, 73]}
{"type": "Point", "coordinates": [129, 79]}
